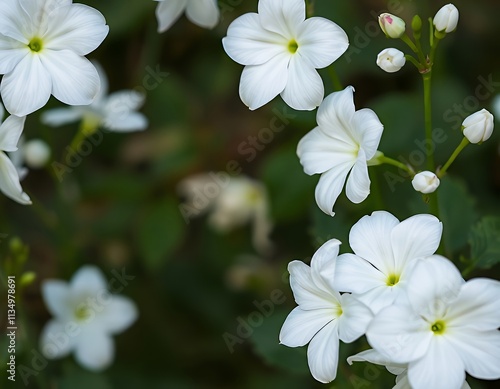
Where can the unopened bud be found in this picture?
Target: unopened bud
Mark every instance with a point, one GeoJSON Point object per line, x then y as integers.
{"type": "Point", "coordinates": [392, 26]}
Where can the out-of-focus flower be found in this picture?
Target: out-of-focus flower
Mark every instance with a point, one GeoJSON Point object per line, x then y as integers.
{"type": "Point", "coordinates": [10, 132]}
{"type": "Point", "coordinates": [478, 127]}
{"type": "Point", "coordinates": [392, 26]}
{"type": "Point", "coordinates": [425, 182]}
{"type": "Point", "coordinates": [323, 316]}
{"type": "Point", "coordinates": [33, 154]}
{"type": "Point", "coordinates": [391, 60]}
{"type": "Point", "coordinates": [446, 18]}
{"type": "Point", "coordinates": [86, 315]}
{"type": "Point", "coordinates": [343, 142]}
{"type": "Point", "coordinates": [281, 51]}
{"type": "Point", "coordinates": [231, 201]}
{"type": "Point", "coordinates": [204, 13]}
{"type": "Point", "coordinates": [115, 112]}
{"type": "Point", "coordinates": [42, 46]}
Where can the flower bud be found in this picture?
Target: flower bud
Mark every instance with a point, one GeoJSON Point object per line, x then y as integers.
{"type": "Point", "coordinates": [36, 153]}
{"type": "Point", "coordinates": [478, 127]}
{"type": "Point", "coordinates": [446, 19]}
{"type": "Point", "coordinates": [392, 26]}
{"type": "Point", "coordinates": [425, 182]}
{"type": "Point", "coordinates": [391, 60]}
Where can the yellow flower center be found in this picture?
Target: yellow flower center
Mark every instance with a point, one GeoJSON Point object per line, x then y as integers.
{"type": "Point", "coordinates": [393, 279]}
{"type": "Point", "coordinates": [82, 313]}
{"type": "Point", "coordinates": [438, 327]}
{"type": "Point", "coordinates": [36, 44]}
{"type": "Point", "coordinates": [293, 46]}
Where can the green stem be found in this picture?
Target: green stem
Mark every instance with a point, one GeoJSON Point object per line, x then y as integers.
{"type": "Point", "coordinates": [310, 8]}
{"type": "Point", "coordinates": [337, 85]}
{"type": "Point", "coordinates": [412, 59]}
{"type": "Point", "coordinates": [406, 39]}
{"type": "Point", "coordinates": [393, 162]}
{"type": "Point", "coordinates": [454, 156]}
{"type": "Point", "coordinates": [433, 51]}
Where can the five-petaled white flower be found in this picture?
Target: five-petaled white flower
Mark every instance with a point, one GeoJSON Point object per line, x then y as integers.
{"type": "Point", "coordinates": [446, 328]}
{"type": "Point", "coordinates": [86, 315]}
{"type": "Point", "coordinates": [204, 13]}
{"type": "Point", "coordinates": [281, 51]}
{"type": "Point", "coordinates": [10, 132]}
{"type": "Point", "coordinates": [324, 315]}
{"type": "Point", "coordinates": [385, 252]}
{"type": "Point", "coordinates": [115, 112]}
{"type": "Point", "coordinates": [344, 141]}
{"type": "Point", "coordinates": [42, 49]}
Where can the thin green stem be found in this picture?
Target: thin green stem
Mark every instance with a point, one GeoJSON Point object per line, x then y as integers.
{"type": "Point", "coordinates": [433, 51]}
{"type": "Point", "coordinates": [453, 156]}
{"type": "Point", "coordinates": [406, 39]}
{"type": "Point", "coordinates": [393, 162]}
{"type": "Point", "coordinates": [413, 60]}
{"type": "Point", "coordinates": [335, 78]}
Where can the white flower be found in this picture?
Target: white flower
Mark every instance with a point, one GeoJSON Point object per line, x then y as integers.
{"type": "Point", "coordinates": [344, 140]}
{"type": "Point", "coordinates": [391, 60]}
{"type": "Point", "coordinates": [86, 316]}
{"type": "Point", "coordinates": [115, 112]}
{"type": "Point", "coordinates": [10, 132]}
{"type": "Point", "coordinates": [231, 201]}
{"type": "Point", "coordinates": [281, 51]}
{"type": "Point", "coordinates": [447, 327]}
{"type": "Point", "coordinates": [204, 13]}
{"type": "Point", "coordinates": [392, 26]}
{"type": "Point", "coordinates": [478, 127]}
{"type": "Point", "coordinates": [323, 315]}
{"type": "Point", "coordinates": [385, 252]}
{"type": "Point", "coordinates": [42, 48]}
{"type": "Point", "coordinates": [446, 18]}
{"type": "Point", "coordinates": [425, 182]}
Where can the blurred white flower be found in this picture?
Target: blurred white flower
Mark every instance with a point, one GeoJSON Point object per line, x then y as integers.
{"type": "Point", "coordinates": [281, 51]}
{"type": "Point", "coordinates": [446, 328]}
{"type": "Point", "coordinates": [232, 202]}
{"type": "Point", "coordinates": [391, 25]}
{"type": "Point", "coordinates": [86, 316]}
{"type": "Point", "coordinates": [446, 18]}
{"type": "Point", "coordinates": [204, 13]}
{"type": "Point", "coordinates": [385, 252]}
{"type": "Point", "coordinates": [478, 127]}
{"type": "Point", "coordinates": [42, 47]}
{"type": "Point", "coordinates": [391, 60]}
{"type": "Point", "coordinates": [323, 316]}
{"type": "Point", "coordinates": [343, 142]}
{"type": "Point", "coordinates": [10, 132]}
{"type": "Point", "coordinates": [425, 182]}
{"type": "Point", "coordinates": [116, 112]}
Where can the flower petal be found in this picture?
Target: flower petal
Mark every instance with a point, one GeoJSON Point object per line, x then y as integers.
{"type": "Point", "coordinates": [55, 343]}
{"type": "Point", "coordinates": [323, 353]}
{"type": "Point", "coordinates": [356, 275]}
{"type": "Point", "coordinates": [59, 116]}
{"type": "Point", "coordinates": [369, 130]}
{"type": "Point", "coordinates": [88, 279]}
{"type": "Point", "coordinates": [358, 183]}
{"type": "Point", "coordinates": [9, 181]}
{"type": "Point", "coordinates": [132, 121]}
{"type": "Point", "coordinates": [55, 294]}
{"type": "Point", "coordinates": [300, 326]}
{"type": "Point", "coordinates": [282, 16]}
{"type": "Point", "coordinates": [354, 319]}
{"type": "Point", "coordinates": [323, 265]}
{"type": "Point", "coordinates": [204, 13]}
{"type": "Point", "coordinates": [375, 357]}
{"type": "Point", "coordinates": [10, 132]}
{"type": "Point", "coordinates": [330, 185]}
{"type": "Point", "coordinates": [11, 53]}
{"type": "Point", "coordinates": [118, 315]}
{"type": "Point", "coordinates": [304, 89]}
{"type": "Point", "coordinates": [94, 350]}
{"type": "Point", "coordinates": [321, 41]}
{"type": "Point", "coordinates": [261, 83]}
{"type": "Point", "coordinates": [167, 13]}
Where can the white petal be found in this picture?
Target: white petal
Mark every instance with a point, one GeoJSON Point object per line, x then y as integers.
{"type": "Point", "coordinates": [440, 367]}
{"type": "Point", "coordinates": [95, 351]}
{"type": "Point", "coordinates": [55, 294]}
{"type": "Point", "coordinates": [78, 84]}
{"type": "Point", "coordinates": [59, 116]}
{"type": "Point", "coordinates": [88, 279]}
{"type": "Point", "coordinates": [399, 334]}
{"type": "Point", "coordinates": [304, 89]}
{"type": "Point", "coordinates": [27, 88]}
{"type": "Point", "coordinates": [321, 41]}
{"type": "Point", "coordinates": [261, 83]}
{"type": "Point", "coordinates": [369, 129]}
{"type": "Point", "coordinates": [358, 183]}
{"type": "Point", "coordinates": [10, 132]}
{"type": "Point", "coordinates": [479, 351]}
{"type": "Point", "coordinates": [416, 237]}
{"type": "Point", "coordinates": [168, 11]}
{"type": "Point", "coordinates": [282, 16]}
{"type": "Point", "coordinates": [354, 319]}
{"type": "Point", "coordinates": [55, 342]}
{"type": "Point", "coordinates": [132, 121]}
{"type": "Point", "coordinates": [477, 305]}
{"type": "Point", "coordinates": [323, 353]}
{"type": "Point", "coordinates": [204, 13]}
{"type": "Point", "coordinates": [118, 315]}
{"type": "Point", "coordinates": [249, 44]}
{"type": "Point", "coordinates": [300, 326]}
{"type": "Point", "coordinates": [11, 53]}
{"type": "Point", "coordinates": [14, 22]}
{"type": "Point", "coordinates": [123, 101]}
{"type": "Point", "coordinates": [76, 27]}
{"type": "Point", "coordinates": [319, 152]}
{"type": "Point", "coordinates": [356, 275]}
{"type": "Point", "coordinates": [9, 181]}
{"type": "Point", "coordinates": [370, 239]}
{"type": "Point", "coordinates": [375, 357]}
{"type": "Point", "coordinates": [323, 265]}
{"type": "Point", "coordinates": [330, 185]}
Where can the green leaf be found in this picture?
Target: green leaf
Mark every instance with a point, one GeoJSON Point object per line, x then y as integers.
{"type": "Point", "coordinates": [160, 232]}
{"type": "Point", "coordinates": [485, 242]}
